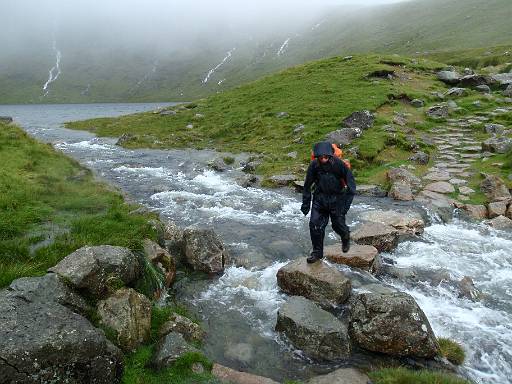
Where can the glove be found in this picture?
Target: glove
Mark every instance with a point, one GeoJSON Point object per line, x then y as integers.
{"type": "Point", "coordinates": [305, 208]}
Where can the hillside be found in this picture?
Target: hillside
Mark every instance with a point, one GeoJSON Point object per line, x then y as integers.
{"type": "Point", "coordinates": [98, 73]}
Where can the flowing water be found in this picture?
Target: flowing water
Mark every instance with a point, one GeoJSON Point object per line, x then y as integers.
{"type": "Point", "coordinates": [264, 229]}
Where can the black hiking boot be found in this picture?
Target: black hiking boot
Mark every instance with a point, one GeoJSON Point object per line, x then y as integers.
{"type": "Point", "coordinates": [345, 245]}
{"type": "Point", "coordinates": [313, 258]}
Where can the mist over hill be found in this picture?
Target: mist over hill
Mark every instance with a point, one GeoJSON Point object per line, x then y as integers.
{"type": "Point", "coordinates": [152, 51]}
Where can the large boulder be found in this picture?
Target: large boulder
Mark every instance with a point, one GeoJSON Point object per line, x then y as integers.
{"type": "Point", "coordinates": [501, 222]}
{"type": "Point", "coordinates": [509, 212]}
{"type": "Point", "coordinates": [98, 270]}
{"type": "Point", "coordinates": [315, 331]}
{"type": "Point", "coordinates": [361, 119]}
{"type": "Point", "coordinates": [381, 236]}
{"type": "Point", "coordinates": [494, 129]}
{"type": "Point", "coordinates": [230, 376]}
{"type": "Point", "coordinates": [341, 376]}
{"type": "Point", "coordinates": [365, 257]}
{"type": "Point", "coordinates": [173, 238]}
{"type": "Point", "coordinates": [477, 212]}
{"type": "Point", "coordinates": [402, 175]}
{"type": "Point", "coordinates": [128, 314]}
{"type": "Point", "coordinates": [47, 289]}
{"type": "Point", "coordinates": [497, 145]}
{"type": "Point", "coordinates": [162, 260]}
{"type": "Point", "coordinates": [204, 250]}
{"type": "Point", "coordinates": [449, 77]}
{"type": "Point", "coordinates": [191, 331]}
{"type": "Point", "coordinates": [498, 208]}
{"type": "Point", "coordinates": [495, 189]}
{"type": "Point", "coordinates": [43, 342]}
{"type": "Point", "coordinates": [392, 323]}
{"type": "Point", "coordinates": [503, 79]}
{"type": "Point", "coordinates": [508, 92]}
{"type": "Point", "coordinates": [438, 112]}
{"type": "Point", "coordinates": [169, 349]}
{"type": "Point", "coordinates": [406, 223]}
{"type": "Point", "coordinates": [343, 136]}
{"type": "Point", "coordinates": [401, 191]}
{"type": "Point", "coordinates": [421, 158]}
{"type": "Point", "coordinates": [371, 191]}
{"type": "Point", "coordinates": [475, 80]}
{"type": "Point", "coordinates": [281, 180]}
{"type": "Point", "coordinates": [319, 282]}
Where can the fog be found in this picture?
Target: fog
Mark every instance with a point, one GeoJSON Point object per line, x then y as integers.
{"type": "Point", "coordinates": [168, 25]}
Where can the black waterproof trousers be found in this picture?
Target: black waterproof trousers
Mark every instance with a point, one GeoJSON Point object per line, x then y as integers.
{"type": "Point", "coordinates": [323, 208]}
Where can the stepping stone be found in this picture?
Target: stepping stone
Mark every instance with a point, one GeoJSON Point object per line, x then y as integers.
{"type": "Point", "coordinates": [466, 174]}
{"type": "Point", "coordinates": [383, 237]}
{"type": "Point", "coordinates": [440, 187]}
{"type": "Point", "coordinates": [448, 157]}
{"type": "Point", "coordinates": [471, 155]}
{"type": "Point", "coordinates": [365, 257]}
{"type": "Point", "coordinates": [319, 282]}
{"type": "Point", "coordinates": [443, 147]}
{"type": "Point", "coordinates": [438, 176]}
{"type": "Point", "coordinates": [472, 149]}
{"type": "Point", "coordinates": [458, 182]}
{"type": "Point", "coordinates": [454, 170]}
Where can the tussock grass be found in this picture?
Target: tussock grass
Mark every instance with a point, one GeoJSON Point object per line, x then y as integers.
{"type": "Point", "coordinates": [51, 206]}
{"type": "Point", "coordinates": [406, 376]}
{"type": "Point", "coordinates": [452, 350]}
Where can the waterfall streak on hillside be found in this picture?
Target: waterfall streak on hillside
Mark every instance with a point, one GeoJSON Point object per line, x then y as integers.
{"type": "Point", "coordinates": [283, 47]}
{"type": "Point", "coordinates": [55, 71]}
{"type": "Point", "coordinates": [212, 71]}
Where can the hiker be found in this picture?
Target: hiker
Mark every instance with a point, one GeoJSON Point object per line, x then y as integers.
{"type": "Point", "coordinates": [334, 189]}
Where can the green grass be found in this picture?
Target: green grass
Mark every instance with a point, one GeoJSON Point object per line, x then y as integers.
{"type": "Point", "coordinates": [319, 95]}
{"type": "Point", "coordinates": [452, 350]}
{"type": "Point", "coordinates": [51, 206]}
{"type": "Point", "coordinates": [406, 376]}
{"type": "Point", "coordinates": [138, 371]}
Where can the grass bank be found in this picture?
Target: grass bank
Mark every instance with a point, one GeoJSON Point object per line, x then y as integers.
{"type": "Point", "coordinates": [51, 206]}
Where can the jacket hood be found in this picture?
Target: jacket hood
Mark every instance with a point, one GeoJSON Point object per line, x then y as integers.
{"type": "Point", "coordinates": [323, 148]}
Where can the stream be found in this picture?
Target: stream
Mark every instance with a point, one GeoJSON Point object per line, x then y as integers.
{"type": "Point", "coordinates": [263, 229]}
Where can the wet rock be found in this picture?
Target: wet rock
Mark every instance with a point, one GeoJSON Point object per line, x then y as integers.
{"type": "Point", "coordinates": [420, 158]}
{"type": "Point", "coordinates": [365, 257]}
{"type": "Point", "coordinates": [315, 331]}
{"type": "Point", "coordinates": [125, 138]}
{"type": "Point", "coordinates": [43, 341]}
{"type": "Point", "coordinates": [218, 165]}
{"type": "Point", "coordinates": [501, 222]}
{"type": "Point", "coordinates": [97, 270]}
{"type": "Point", "coordinates": [401, 273]}
{"type": "Point", "coordinates": [361, 119]}
{"type": "Point", "coordinates": [250, 167]}
{"type": "Point", "coordinates": [417, 103]}
{"type": "Point", "coordinates": [204, 250]}
{"type": "Point", "coordinates": [440, 187]}
{"type": "Point", "coordinates": [456, 92]}
{"type": "Point", "coordinates": [341, 376]}
{"type": "Point", "coordinates": [496, 209]}
{"type": "Point", "coordinates": [383, 237]}
{"type": "Point", "coordinates": [508, 92]}
{"type": "Point", "coordinates": [509, 212]}
{"type": "Point", "coordinates": [282, 180]}
{"type": "Point", "coordinates": [468, 290]}
{"type": "Point", "coordinates": [438, 112]}
{"type": "Point", "coordinates": [503, 79]}
{"type": "Point", "coordinates": [449, 77]}
{"type": "Point", "coordinates": [246, 181]}
{"type": "Point", "coordinates": [128, 314]}
{"type": "Point", "coordinates": [319, 282]}
{"type": "Point", "coordinates": [403, 175]}
{"type": "Point", "coordinates": [282, 115]}
{"type": "Point", "coordinates": [161, 259]}
{"type": "Point", "coordinates": [49, 288]}
{"type": "Point", "coordinates": [495, 189]}
{"type": "Point", "coordinates": [406, 223]}
{"type": "Point", "coordinates": [169, 349]}
{"type": "Point", "coordinates": [343, 136]}
{"type": "Point", "coordinates": [228, 375]}
{"type": "Point", "coordinates": [478, 212]}
{"type": "Point", "coordinates": [483, 89]}
{"type": "Point", "coordinates": [393, 324]}
{"type": "Point", "coordinates": [401, 191]}
{"type": "Point", "coordinates": [186, 327]}
{"type": "Point", "coordinates": [173, 238]}
{"type": "Point", "coordinates": [371, 191]}
{"type": "Point", "coordinates": [497, 145]}
{"type": "Point", "coordinates": [299, 186]}
{"type": "Point", "coordinates": [6, 119]}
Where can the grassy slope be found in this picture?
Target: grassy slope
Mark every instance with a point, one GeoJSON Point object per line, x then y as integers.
{"type": "Point", "coordinates": [50, 206]}
{"type": "Point", "coordinates": [405, 28]}
{"type": "Point", "coordinates": [318, 95]}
